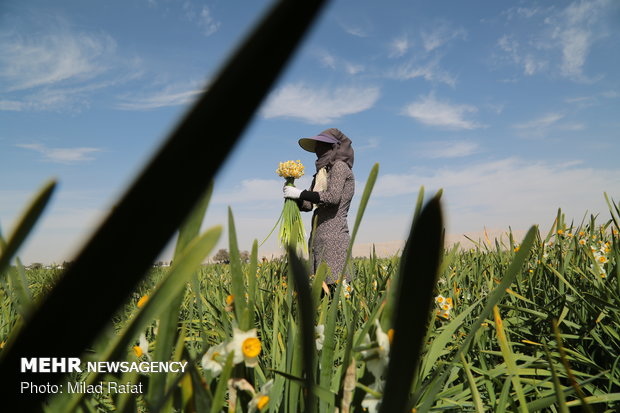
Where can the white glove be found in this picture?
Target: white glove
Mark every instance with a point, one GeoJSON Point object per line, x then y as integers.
{"type": "Point", "coordinates": [291, 192]}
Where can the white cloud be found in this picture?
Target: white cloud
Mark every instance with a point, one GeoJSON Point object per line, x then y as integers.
{"type": "Point", "coordinates": [450, 149]}
{"type": "Point", "coordinates": [62, 155]}
{"type": "Point", "coordinates": [52, 57]}
{"type": "Point", "coordinates": [430, 111]}
{"type": "Point", "coordinates": [508, 192]}
{"type": "Point", "coordinates": [327, 59]}
{"type": "Point", "coordinates": [441, 34]}
{"type": "Point", "coordinates": [170, 95]}
{"type": "Point", "coordinates": [207, 21]}
{"type": "Point", "coordinates": [565, 40]}
{"type": "Point", "coordinates": [202, 16]}
{"type": "Point", "coordinates": [399, 46]}
{"type": "Point", "coordinates": [430, 71]}
{"type": "Point", "coordinates": [371, 143]}
{"type": "Point", "coordinates": [544, 121]}
{"type": "Point", "coordinates": [541, 126]}
{"type": "Point", "coordinates": [250, 191]}
{"type": "Point", "coordinates": [530, 63]}
{"type": "Point", "coordinates": [47, 64]}
{"type": "Point", "coordinates": [318, 105]}
{"type": "Point", "coordinates": [354, 30]}
{"type": "Point", "coordinates": [353, 69]}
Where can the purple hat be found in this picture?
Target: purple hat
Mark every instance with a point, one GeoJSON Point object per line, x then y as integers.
{"type": "Point", "coordinates": [309, 144]}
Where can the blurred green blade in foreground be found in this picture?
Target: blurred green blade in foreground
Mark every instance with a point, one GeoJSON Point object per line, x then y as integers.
{"type": "Point", "coordinates": [416, 283]}
{"type": "Point", "coordinates": [143, 221]}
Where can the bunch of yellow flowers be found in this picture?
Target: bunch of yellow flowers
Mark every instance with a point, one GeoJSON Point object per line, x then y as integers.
{"type": "Point", "coordinates": [290, 169]}
{"type": "Point", "coordinates": [292, 232]}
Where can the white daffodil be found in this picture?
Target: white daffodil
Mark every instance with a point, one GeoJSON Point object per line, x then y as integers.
{"type": "Point", "coordinates": [214, 359]}
{"type": "Point", "coordinates": [380, 357]}
{"type": "Point", "coordinates": [142, 348]}
{"type": "Point", "coordinates": [246, 347]}
{"type": "Point", "coordinates": [601, 259]}
{"type": "Point", "coordinates": [371, 403]}
{"type": "Point", "coordinates": [260, 400]}
{"type": "Point", "coordinates": [440, 300]}
{"type": "Point", "coordinates": [319, 334]}
{"type": "Point", "coordinates": [347, 289]}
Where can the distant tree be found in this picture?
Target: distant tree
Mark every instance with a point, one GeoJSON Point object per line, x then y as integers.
{"type": "Point", "coordinates": [36, 266]}
{"type": "Point", "coordinates": [245, 256]}
{"type": "Point", "coordinates": [221, 256]}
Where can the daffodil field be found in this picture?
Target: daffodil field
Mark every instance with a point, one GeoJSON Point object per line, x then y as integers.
{"type": "Point", "coordinates": [508, 325]}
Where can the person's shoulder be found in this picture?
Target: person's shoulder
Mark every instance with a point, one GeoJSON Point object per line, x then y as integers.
{"type": "Point", "coordinates": [341, 166]}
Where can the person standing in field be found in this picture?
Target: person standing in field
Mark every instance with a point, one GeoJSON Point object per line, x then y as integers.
{"type": "Point", "coordinates": [331, 192]}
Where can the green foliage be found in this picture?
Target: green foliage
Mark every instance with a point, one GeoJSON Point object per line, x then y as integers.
{"type": "Point", "coordinates": [531, 327]}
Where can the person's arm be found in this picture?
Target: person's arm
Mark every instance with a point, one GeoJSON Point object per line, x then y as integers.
{"type": "Point", "coordinates": [304, 203]}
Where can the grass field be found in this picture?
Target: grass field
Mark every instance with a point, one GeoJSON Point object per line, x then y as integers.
{"type": "Point", "coordinates": [514, 325]}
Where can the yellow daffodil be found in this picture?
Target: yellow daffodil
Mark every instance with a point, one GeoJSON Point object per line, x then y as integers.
{"type": "Point", "coordinates": [290, 169]}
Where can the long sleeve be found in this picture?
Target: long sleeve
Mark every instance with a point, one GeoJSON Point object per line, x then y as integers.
{"type": "Point", "coordinates": [304, 204]}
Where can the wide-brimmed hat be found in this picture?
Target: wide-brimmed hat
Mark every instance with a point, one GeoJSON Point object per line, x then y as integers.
{"type": "Point", "coordinates": [309, 144]}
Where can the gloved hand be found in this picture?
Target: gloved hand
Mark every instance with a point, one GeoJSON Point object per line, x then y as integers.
{"type": "Point", "coordinates": [291, 192]}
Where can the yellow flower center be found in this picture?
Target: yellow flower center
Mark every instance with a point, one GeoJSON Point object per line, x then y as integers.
{"type": "Point", "coordinates": [390, 335]}
{"type": "Point", "coordinates": [138, 351]}
{"type": "Point", "coordinates": [262, 402]}
{"type": "Point", "coordinates": [230, 299]}
{"type": "Point", "coordinates": [251, 347]}
{"type": "Point", "coordinates": [215, 354]}
{"type": "Point", "coordinates": [449, 300]}
{"type": "Point", "coordinates": [142, 301]}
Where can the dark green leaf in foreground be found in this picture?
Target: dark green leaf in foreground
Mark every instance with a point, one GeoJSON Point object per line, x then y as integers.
{"type": "Point", "coordinates": [306, 312]}
{"type": "Point", "coordinates": [416, 283]}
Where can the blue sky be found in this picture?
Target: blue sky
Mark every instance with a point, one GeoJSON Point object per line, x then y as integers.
{"type": "Point", "coordinates": [510, 107]}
